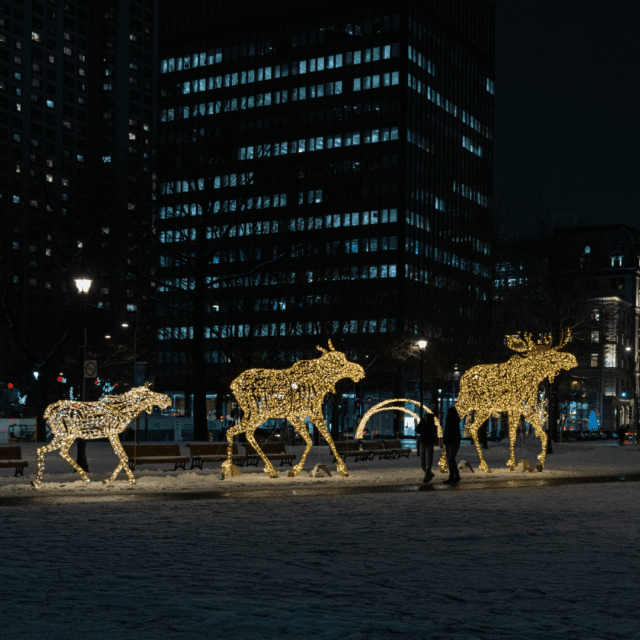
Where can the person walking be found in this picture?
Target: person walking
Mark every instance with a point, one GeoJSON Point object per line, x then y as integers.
{"type": "Point", "coordinates": [451, 441]}
{"type": "Point", "coordinates": [622, 432]}
{"type": "Point", "coordinates": [427, 436]}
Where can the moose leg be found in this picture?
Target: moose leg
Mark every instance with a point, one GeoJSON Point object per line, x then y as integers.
{"type": "Point", "coordinates": [56, 443]}
{"type": "Point", "coordinates": [535, 421]}
{"type": "Point", "coordinates": [443, 461]}
{"type": "Point", "coordinates": [230, 469]}
{"type": "Point", "coordinates": [514, 421]}
{"type": "Point", "coordinates": [268, 467]}
{"type": "Point", "coordinates": [319, 422]}
{"type": "Point", "coordinates": [480, 419]}
{"type": "Point", "coordinates": [64, 452]}
{"type": "Point", "coordinates": [302, 430]}
{"type": "Point", "coordinates": [119, 451]}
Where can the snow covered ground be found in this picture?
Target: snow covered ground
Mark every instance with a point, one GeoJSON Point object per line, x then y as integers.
{"type": "Point", "coordinates": [450, 563]}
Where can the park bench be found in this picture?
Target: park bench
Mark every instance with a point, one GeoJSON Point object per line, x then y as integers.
{"type": "Point", "coordinates": [155, 454]}
{"type": "Point", "coordinates": [351, 448]}
{"type": "Point", "coordinates": [375, 448]}
{"type": "Point", "coordinates": [395, 450]}
{"type": "Point", "coordinates": [273, 451]}
{"type": "Point", "coordinates": [213, 452]}
{"type": "Point", "coordinates": [11, 457]}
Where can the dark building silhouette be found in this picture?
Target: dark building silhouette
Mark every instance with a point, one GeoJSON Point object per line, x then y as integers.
{"type": "Point", "coordinates": [77, 139]}
{"type": "Point", "coordinates": [325, 171]}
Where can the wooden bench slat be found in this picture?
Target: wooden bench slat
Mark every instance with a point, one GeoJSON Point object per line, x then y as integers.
{"type": "Point", "coordinates": [158, 453]}
{"type": "Point", "coordinates": [10, 458]}
{"type": "Point", "coordinates": [272, 450]}
{"type": "Point", "coordinates": [213, 452]}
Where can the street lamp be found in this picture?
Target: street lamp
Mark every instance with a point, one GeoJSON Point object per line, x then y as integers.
{"type": "Point", "coordinates": [422, 345]}
{"type": "Point", "coordinates": [83, 285]}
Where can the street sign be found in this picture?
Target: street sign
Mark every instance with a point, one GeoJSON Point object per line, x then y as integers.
{"type": "Point", "coordinates": [90, 368]}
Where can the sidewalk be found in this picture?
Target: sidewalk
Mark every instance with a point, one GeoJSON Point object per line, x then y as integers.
{"type": "Point", "coordinates": [569, 461]}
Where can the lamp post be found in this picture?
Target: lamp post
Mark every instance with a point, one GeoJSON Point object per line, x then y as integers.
{"type": "Point", "coordinates": [83, 285]}
{"type": "Point", "coordinates": [422, 345]}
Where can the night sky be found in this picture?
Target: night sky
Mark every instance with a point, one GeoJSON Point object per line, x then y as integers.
{"type": "Point", "coordinates": [566, 120]}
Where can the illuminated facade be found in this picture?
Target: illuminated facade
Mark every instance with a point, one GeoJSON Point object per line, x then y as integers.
{"type": "Point", "coordinates": [346, 151]}
{"type": "Point", "coordinates": [606, 260]}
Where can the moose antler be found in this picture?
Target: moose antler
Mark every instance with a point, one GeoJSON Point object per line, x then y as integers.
{"type": "Point", "coordinates": [564, 339]}
{"type": "Point", "coordinates": [523, 345]}
{"type": "Point", "coordinates": [319, 348]}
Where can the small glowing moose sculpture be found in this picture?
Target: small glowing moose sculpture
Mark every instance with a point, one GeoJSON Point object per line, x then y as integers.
{"type": "Point", "coordinates": [105, 418]}
{"type": "Point", "coordinates": [512, 387]}
{"type": "Point", "coordinates": [291, 394]}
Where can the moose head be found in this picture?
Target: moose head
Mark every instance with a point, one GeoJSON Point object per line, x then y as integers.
{"type": "Point", "coordinates": [335, 366]}
{"type": "Point", "coordinates": [149, 398]}
{"type": "Point", "coordinates": [548, 359]}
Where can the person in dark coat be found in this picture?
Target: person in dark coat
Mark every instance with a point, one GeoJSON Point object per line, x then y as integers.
{"type": "Point", "coordinates": [427, 435]}
{"type": "Point", "coordinates": [451, 441]}
{"type": "Point", "coordinates": [622, 432]}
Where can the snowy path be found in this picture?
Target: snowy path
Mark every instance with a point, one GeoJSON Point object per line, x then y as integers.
{"type": "Point", "coordinates": [542, 563]}
{"type": "Point", "coordinates": [568, 461]}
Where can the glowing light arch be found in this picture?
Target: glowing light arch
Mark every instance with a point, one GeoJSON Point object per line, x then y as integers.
{"type": "Point", "coordinates": [383, 406]}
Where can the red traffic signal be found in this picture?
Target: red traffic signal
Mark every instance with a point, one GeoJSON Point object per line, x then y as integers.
{"type": "Point", "coordinates": [60, 378]}
{"type": "Point", "coordinates": [10, 385]}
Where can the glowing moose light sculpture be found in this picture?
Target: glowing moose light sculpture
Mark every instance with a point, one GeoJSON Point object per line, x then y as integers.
{"type": "Point", "coordinates": [512, 387]}
{"type": "Point", "coordinates": [292, 394]}
{"type": "Point", "coordinates": [106, 418]}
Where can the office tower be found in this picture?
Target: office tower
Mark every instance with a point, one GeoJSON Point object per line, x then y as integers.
{"type": "Point", "coordinates": [331, 169]}
{"type": "Point", "coordinates": [77, 134]}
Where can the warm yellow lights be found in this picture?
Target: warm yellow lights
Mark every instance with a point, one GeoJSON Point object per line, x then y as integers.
{"type": "Point", "coordinates": [291, 394]}
{"type": "Point", "coordinates": [106, 418]}
{"type": "Point", "coordinates": [512, 387]}
{"type": "Point", "coordinates": [384, 406]}
{"type": "Point", "coordinates": [83, 284]}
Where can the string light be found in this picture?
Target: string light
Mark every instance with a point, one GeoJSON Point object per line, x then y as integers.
{"type": "Point", "coordinates": [106, 418]}
{"type": "Point", "coordinates": [382, 406]}
{"type": "Point", "coordinates": [291, 394]}
{"type": "Point", "coordinates": [512, 387]}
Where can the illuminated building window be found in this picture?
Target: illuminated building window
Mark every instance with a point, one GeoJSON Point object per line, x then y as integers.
{"type": "Point", "coordinates": [595, 336]}
{"type": "Point", "coordinates": [610, 356]}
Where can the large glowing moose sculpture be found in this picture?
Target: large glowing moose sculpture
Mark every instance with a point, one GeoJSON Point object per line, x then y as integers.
{"type": "Point", "coordinates": [512, 387]}
{"type": "Point", "coordinates": [291, 394]}
{"type": "Point", "coordinates": [106, 418]}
